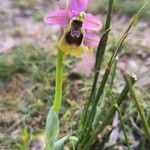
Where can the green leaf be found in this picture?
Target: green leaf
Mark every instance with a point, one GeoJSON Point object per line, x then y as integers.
{"type": "Point", "coordinates": [59, 145]}
{"type": "Point", "coordinates": [52, 129]}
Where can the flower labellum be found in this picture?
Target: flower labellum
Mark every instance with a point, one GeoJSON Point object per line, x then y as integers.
{"type": "Point", "coordinates": [79, 28]}
{"type": "Point", "coordinates": [75, 35]}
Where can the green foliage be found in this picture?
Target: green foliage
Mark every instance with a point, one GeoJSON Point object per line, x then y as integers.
{"type": "Point", "coordinates": [17, 32]}
{"type": "Point", "coordinates": [23, 142]}
{"type": "Point", "coordinates": [59, 144]}
{"type": "Point", "coordinates": [35, 63]}
{"type": "Point", "coordinates": [52, 129]}
{"type": "Point", "coordinates": [27, 58]}
{"type": "Point", "coordinates": [88, 133]}
{"type": "Point", "coordinates": [38, 15]}
{"type": "Point", "coordinates": [139, 108]}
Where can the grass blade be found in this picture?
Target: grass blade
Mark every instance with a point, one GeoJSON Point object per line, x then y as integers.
{"type": "Point", "coordinates": [109, 115]}
{"type": "Point", "coordinates": [121, 119]}
{"type": "Point", "coordinates": [107, 71]}
{"type": "Point", "coordinates": [139, 107]}
{"type": "Point", "coordinates": [99, 58]}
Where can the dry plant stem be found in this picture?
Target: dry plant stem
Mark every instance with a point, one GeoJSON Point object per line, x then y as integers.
{"type": "Point", "coordinates": [108, 117]}
{"type": "Point", "coordinates": [59, 77]}
{"type": "Point", "coordinates": [139, 108]}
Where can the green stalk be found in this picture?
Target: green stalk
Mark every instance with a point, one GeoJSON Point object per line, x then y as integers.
{"type": "Point", "coordinates": [123, 126]}
{"type": "Point", "coordinates": [99, 58]}
{"type": "Point", "coordinates": [108, 117]}
{"type": "Point", "coordinates": [121, 119]}
{"type": "Point", "coordinates": [88, 125]}
{"type": "Point", "coordinates": [52, 121]}
{"type": "Point", "coordinates": [59, 77]}
{"type": "Point", "coordinates": [139, 108]}
{"type": "Point", "coordinates": [90, 117]}
{"type": "Point", "coordinates": [99, 94]}
{"type": "Point", "coordinates": [113, 74]}
{"type": "Point", "coordinates": [92, 113]}
{"type": "Point", "coordinates": [93, 91]}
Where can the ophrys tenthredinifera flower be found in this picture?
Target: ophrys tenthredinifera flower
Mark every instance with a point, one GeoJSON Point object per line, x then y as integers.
{"type": "Point", "coordinates": [79, 27]}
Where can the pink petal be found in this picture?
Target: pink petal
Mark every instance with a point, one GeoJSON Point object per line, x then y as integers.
{"type": "Point", "coordinates": [59, 17]}
{"type": "Point", "coordinates": [91, 39]}
{"type": "Point", "coordinates": [78, 5]}
{"type": "Point", "coordinates": [92, 23]}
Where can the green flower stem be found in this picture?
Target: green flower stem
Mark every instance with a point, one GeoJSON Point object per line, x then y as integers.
{"type": "Point", "coordinates": [52, 122]}
{"type": "Point", "coordinates": [139, 108]}
{"type": "Point", "coordinates": [59, 77]}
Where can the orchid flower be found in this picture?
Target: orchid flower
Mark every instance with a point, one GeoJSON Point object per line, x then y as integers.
{"type": "Point", "coordinates": [79, 34]}
{"type": "Point", "coordinates": [79, 27]}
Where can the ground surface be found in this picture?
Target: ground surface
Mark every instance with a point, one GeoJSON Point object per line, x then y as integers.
{"type": "Point", "coordinates": [27, 72]}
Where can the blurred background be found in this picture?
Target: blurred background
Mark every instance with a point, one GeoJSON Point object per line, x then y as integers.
{"type": "Point", "coordinates": [28, 49]}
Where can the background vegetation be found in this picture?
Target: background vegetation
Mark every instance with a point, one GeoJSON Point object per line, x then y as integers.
{"type": "Point", "coordinates": [27, 74]}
